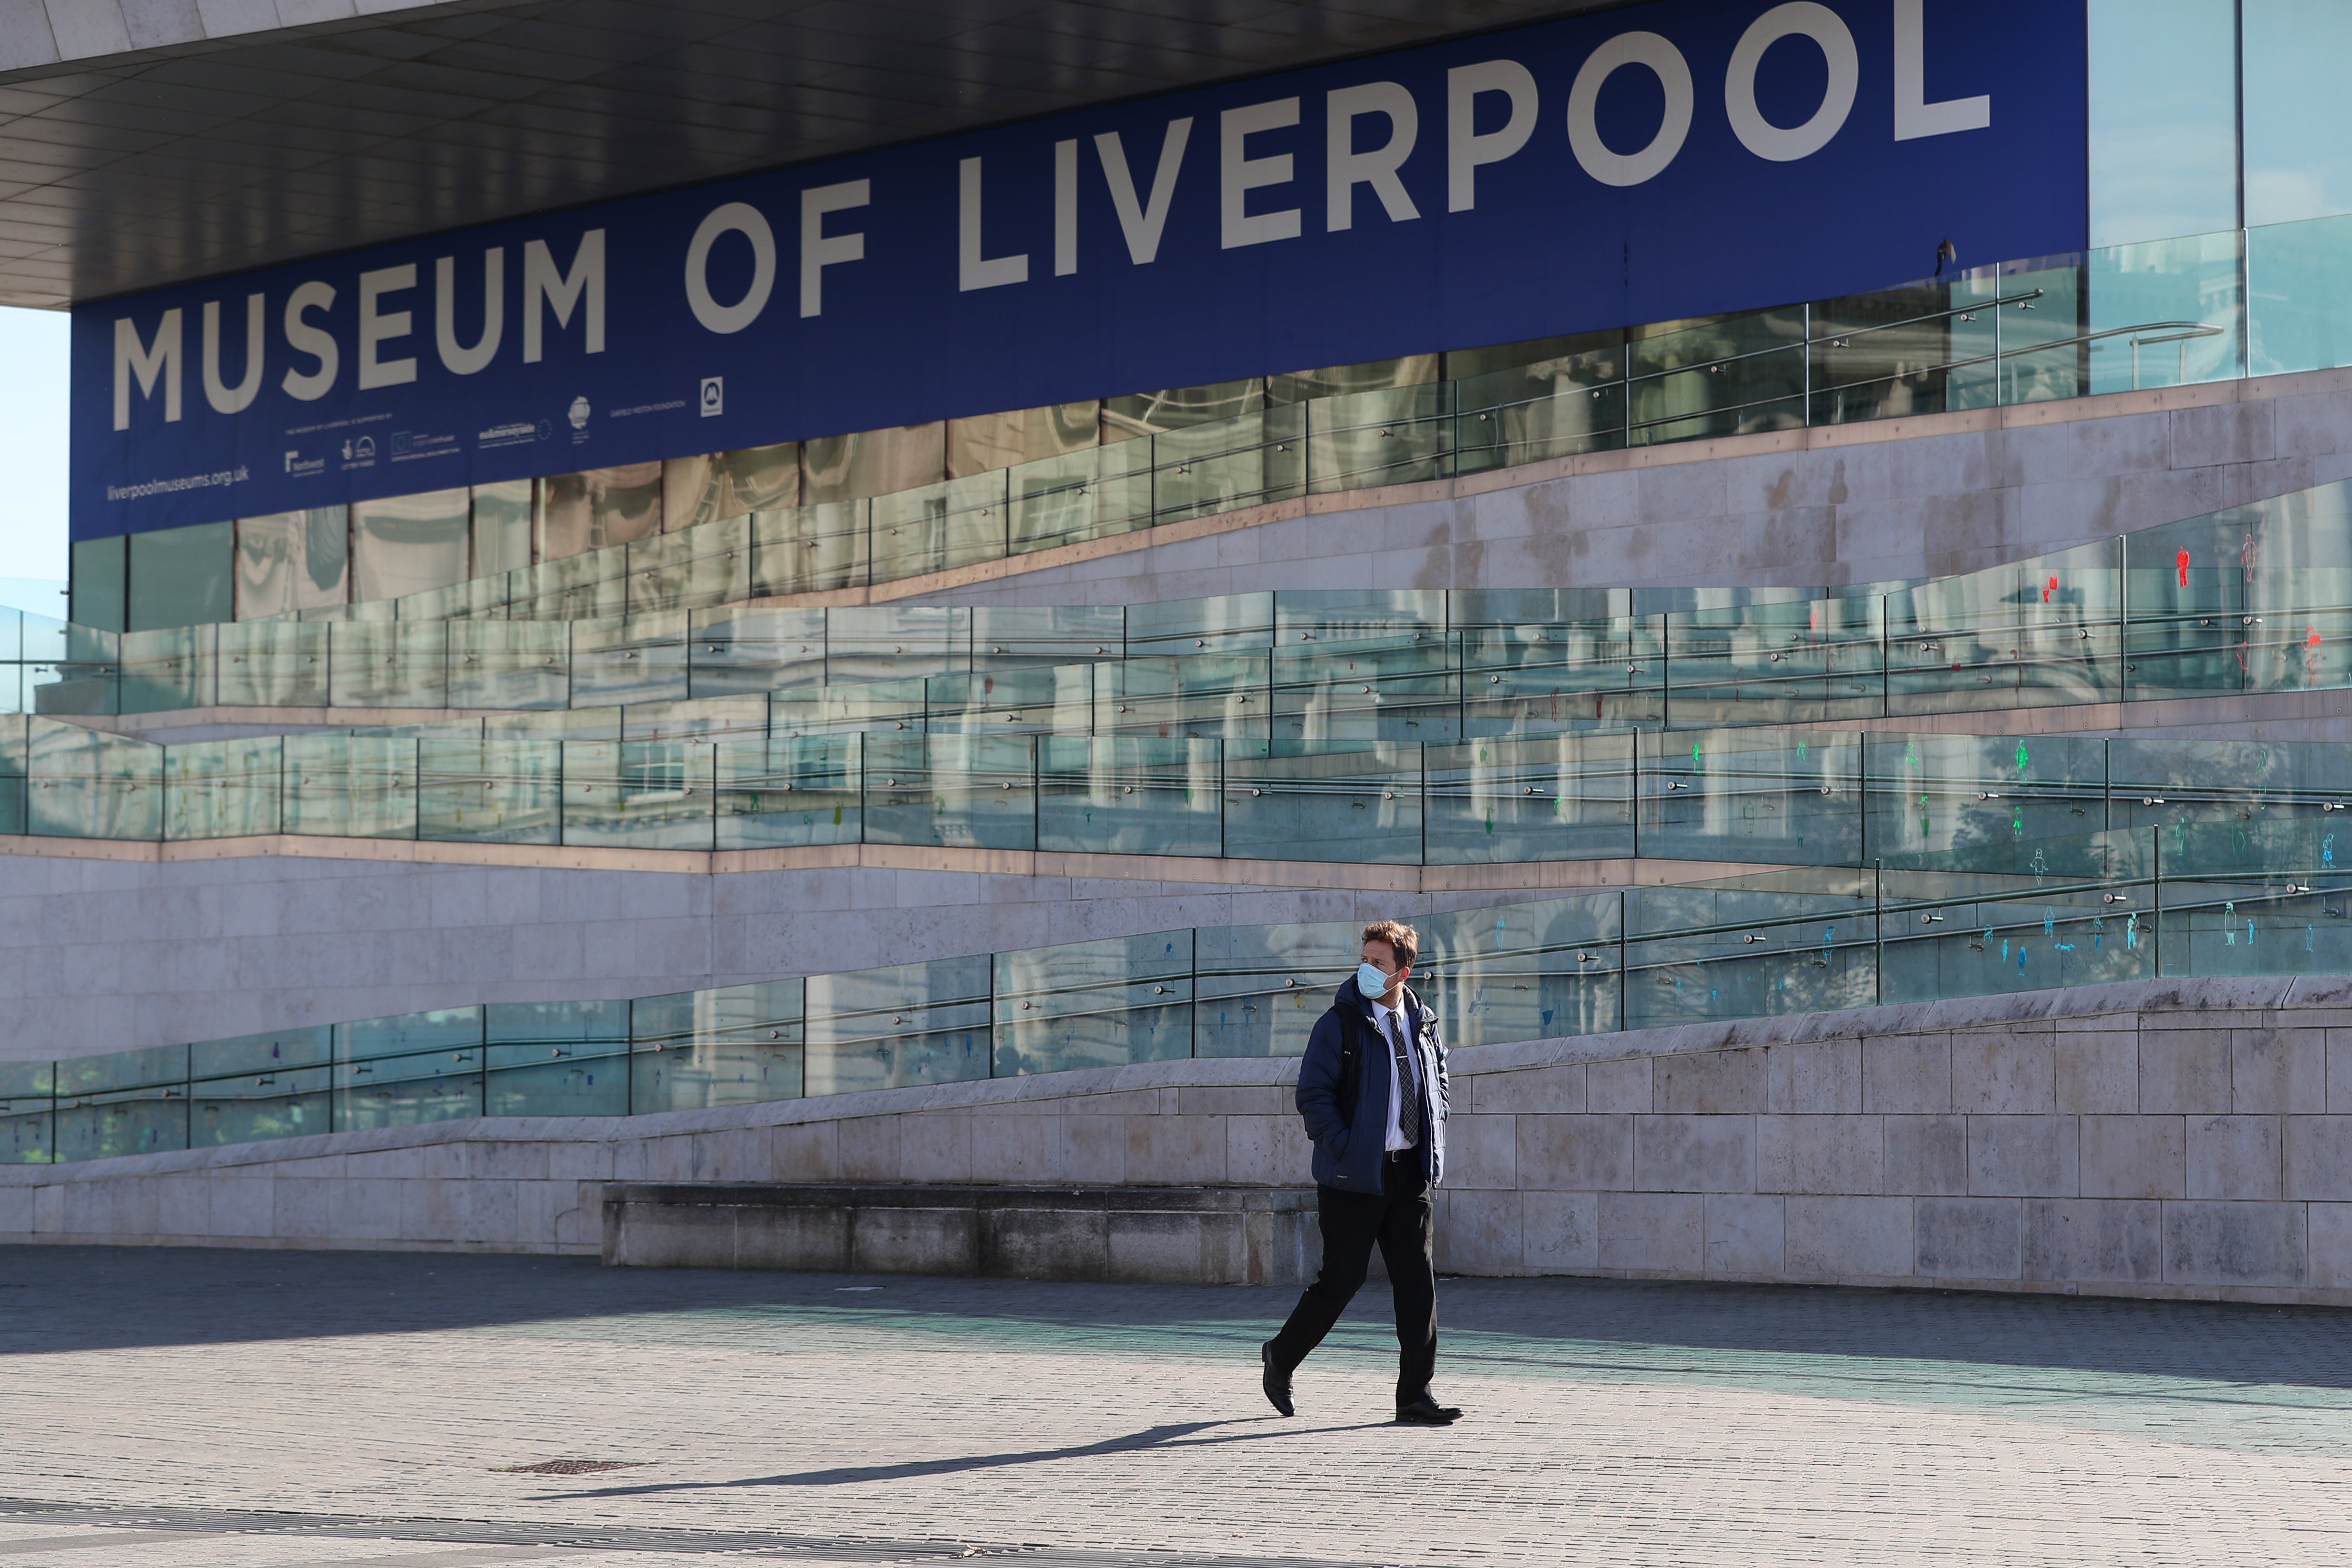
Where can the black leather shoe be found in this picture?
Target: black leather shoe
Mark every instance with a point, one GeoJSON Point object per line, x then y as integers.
{"type": "Point", "coordinates": [1275, 1381]}
{"type": "Point", "coordinates": [1427, 1412]}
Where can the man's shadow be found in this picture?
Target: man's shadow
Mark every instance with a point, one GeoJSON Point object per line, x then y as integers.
{"type": "Point", "coordinates": [1150, 1437]}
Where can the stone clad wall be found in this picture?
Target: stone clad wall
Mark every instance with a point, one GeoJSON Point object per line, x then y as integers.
{"type": "Point", "coordinates": [2173, 1138]}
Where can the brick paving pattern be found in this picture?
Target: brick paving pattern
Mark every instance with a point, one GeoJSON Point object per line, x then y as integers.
{"type": "Point", "coordinates": [221, 1409]}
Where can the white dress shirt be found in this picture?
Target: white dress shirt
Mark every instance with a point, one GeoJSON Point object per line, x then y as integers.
{"type": "Point", "coordinates": [1393, 1026]}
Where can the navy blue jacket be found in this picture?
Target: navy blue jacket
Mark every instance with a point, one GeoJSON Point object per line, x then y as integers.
{"type": "Point", "coordinates": [1350, 1141]}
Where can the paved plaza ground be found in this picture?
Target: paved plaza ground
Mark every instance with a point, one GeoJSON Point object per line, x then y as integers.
{"type": "Point", "coordinates": [224, 1409]}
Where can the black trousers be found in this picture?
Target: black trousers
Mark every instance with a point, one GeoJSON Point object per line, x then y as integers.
{"type": "Point", "coordinates": [1399, 1221]}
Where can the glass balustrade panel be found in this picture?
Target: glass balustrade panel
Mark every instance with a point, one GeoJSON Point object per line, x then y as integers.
{"type": "Point", "coordinates": [1018, 636]}
{"type": "Point", "coordinates": [388, 664]}
{"type": "Point", "coordinates": [1991, 933]}
{"type": "Point", "coordinates": [895, 642]}
{"type": "Point", "coordinates": [1769, 945]}
{"type": "Point", "coordinates": [940, 527]}
{"type": "Point", "coordinates": [272, 664]}
{"type": "Point", "coordinates": [493, 791]}
{"type": "Point", "coordinates": [1128, 795]}
{"type": "Point", "coordinates": [908, 1024]}
{"type": "Point", "coordinates": [1405, 690]}
{"type": "Point", "coordinates": [1542, 677]}
{"type": "Point", "coordinates": [629, 658]}
{"type": "Point", "coordinates": [735, 1045]}
{"type": "Point", "coordinates": [734, 651]}
{"type": "Point", "coordinates": [555, 1058]}
{"type": "Point", "coordinates": [1731, 375]}
{"type": "Point", "coordinates": [1524, 972]}
{"type": "Point", "coordinates": [1230, 623]}
{"type": "Point", "coordinates": [1557, 798]}
{"type": "Point", "coordinates": [964, 792]}
{"type": "Point", "coordinates": [1040, 700]}
{"type": "Point", "coordinates": [85, 784]}
{"type": "Point", "coordinates": [1958, 793]}
{"type": "Point", "coordinates": [1257, 990]}
{"type": "Point", "coordinates": [352, 786]}
{"type": "Point", "coordinates": [2036, 634]}
{"type": "Point", "coordinates": [408, 1069]}
{"type": "Point", "coordinates": [709, 564]}
{"type": "Point", "coordinates": [1792, 797]}
{"type": "Point", "coordinates": [810, 549]}
{"type": "Point", "coordinates": [1393, 436]}
{"type": "Point", "coordinates": [788, 792]}
{"type": "Point", "coordinates": [1285, 802]}
{"type": "Point", "coordinates": [509, 664]}
{"type": "Point", "coordinates": [1816, 662]}
{"type": "Point", "coordinates": [1560, 404]}
{"type": "Point", "coordinates": [1093, 1004]}
{"type": "Point", "coordinates": [223, 789]}
{"type": "Point", "coordinates": [638, 794]}
{"type": "Point", "coordinates": [170, 670]}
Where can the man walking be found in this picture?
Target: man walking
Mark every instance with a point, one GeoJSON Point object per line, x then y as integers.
{"type": "Point", "coordinates": [1371, 1089]}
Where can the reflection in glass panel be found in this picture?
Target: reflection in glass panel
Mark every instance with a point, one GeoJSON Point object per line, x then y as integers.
{"type": "Point", "coordinates": [970, 791]}
{"type": "Point", "coordinates": [908, 1023]}
{"type": "Point", "coordinates": [1362, 804]}
{"type": "Point", "coordinates": [738, 1045]}
{"type": "Point", "coordinates": [135, 1122]}
{"type": "Point", "coordinates": [2163, 118]}
{"type": "Point", "coordinates": [788, 791]}
{"type": "Point", "coordinates": [289, 561]}
{"type": "Point", "coordinates": [733, 651]}
{"type": "Point", "coordinates": [805, 549]}
{"type": "Point", "coordinates": [415, 1067]}
{"type": "Point", "coordinates": [493, 791]}
{"type": "Point", "coordinates": [182, 576]}
{"type": "Point", "coordinates": [408, 544]}
{"type": "Point", "coordinates": [1529, 972]}
{"type": "Point", "coordinates": [2164, 313]}
{"type": "Point", "coordinates": [987, 441]}
{"type": "Point", "coordinates": [1112, 795]}
{"type": "Point", "coordinates": [709, 564]}
{"type": "Point", "coordinates": [1360, 439]}
{"type": "Point", "coordinates": [170, 669]}
{"type": "Point", "coordinates": [350, 786]}
{"type": "Point", "coordinates": [502, 516]}
{"type": "Point", "coordinates": [873, 463]}
{"type": "Point", "coordinates": [1760, 946]}
{"type": "Point", "coordinates": [389, 664]}
{"type": "Point", "coordinates": [598, 508]}
{"type": "Point", "coordinates": [1564, 797]}
{"type": "Point", "coordinates": [222, 789]}
{"type": "Point", "coordinates": [272, 664]}
{"type": "Point", "coordinates": [1733, 794]}
{"type": "Point", "coordinates": [1258, 990]}
{"type": "Point", "coordinates": [1095, 1003]}
{"type": "Point", "coordinates": [629, 658]}
{"type": "Point", "coordinates": [1732, 375]}
{"type": "Point", "coordinates": [556, 1059]}
{"type": "Point", "coordinates": [1177, 408]}
{"type": "Point", "coordinates": [100, 574]}
{"type": "Point", "coordinates": [2298, 119]}
{"type": "Point", "coordinates": [1570, 399]}
{"type": "Point", "coordinates": [638, 794]}
{"type": "Point", "coordinates": [85, 784]}
{"type": "Point", "coordinates": [939, 527]}
{"type": "Point", "coordinates": [1346, 380]}
{"type": "Point", "coordinates": [509, 664]}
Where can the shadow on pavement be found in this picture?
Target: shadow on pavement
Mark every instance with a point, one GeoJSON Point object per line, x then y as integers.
{"type": "Point", "coordinates": [61, 1299]}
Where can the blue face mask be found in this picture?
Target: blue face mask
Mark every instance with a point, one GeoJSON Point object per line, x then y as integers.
{"type": "Point", "coordinates": [1370, 981]}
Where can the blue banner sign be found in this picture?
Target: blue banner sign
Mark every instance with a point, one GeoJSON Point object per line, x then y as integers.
{"type": "Point", "coordinates": [1675, 159]}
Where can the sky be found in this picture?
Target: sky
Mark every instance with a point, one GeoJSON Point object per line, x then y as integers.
{"type": "Point", "coordinates": [33, 456]}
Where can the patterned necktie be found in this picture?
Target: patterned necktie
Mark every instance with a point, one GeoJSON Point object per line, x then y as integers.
{"type": "Point", "coordinates": [1408, 1082]}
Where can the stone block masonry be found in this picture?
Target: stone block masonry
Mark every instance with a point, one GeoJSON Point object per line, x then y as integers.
{"type": "Point", "coordinates": [2183, 1138]}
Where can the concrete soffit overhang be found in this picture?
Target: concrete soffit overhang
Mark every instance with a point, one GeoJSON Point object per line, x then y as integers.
{"type": "Point", "coordinates": [144, 143]}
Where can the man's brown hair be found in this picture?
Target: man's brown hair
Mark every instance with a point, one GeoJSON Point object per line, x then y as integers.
{"type": "Point", "coordinates": [1404, 943]}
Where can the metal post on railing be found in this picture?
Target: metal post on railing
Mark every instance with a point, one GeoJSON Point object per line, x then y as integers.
{"type": "Point", "coordinates": [1625, 949]}
{"type": "Point", "coordinates": [1878, 932]}
{"type": "Point", "coordinates": [1665, 680]}
{"type": "Point", "coordinates": [1423, 748]}
{"type": "Point", "coordinates": [1634, 787]}
{"type": "Point", "coordinates": [2122, 618]}
{"type": "Point", "coordinates": [1807, 319]}
{"type": "Point", "coordinates": [2156, 897]}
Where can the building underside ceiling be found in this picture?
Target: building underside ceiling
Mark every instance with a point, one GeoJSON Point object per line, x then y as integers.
{"type": "Point", "coordinates": [130, 170]}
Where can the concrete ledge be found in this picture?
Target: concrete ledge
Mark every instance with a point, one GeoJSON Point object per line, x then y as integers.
{"type": "Point", "coordinates": [1206, 1236]}
{"type": "Point", "coordinates": [2172, 1139]}
{"type": "Point", "coordinates": [1209, 871]}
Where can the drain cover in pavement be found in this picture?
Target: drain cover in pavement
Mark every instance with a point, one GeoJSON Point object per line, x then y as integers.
{"type": "Point", "coordinates": [568, 1466]}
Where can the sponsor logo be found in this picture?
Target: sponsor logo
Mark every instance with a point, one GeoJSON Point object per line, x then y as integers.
{"type": "Point", "coordinates": [714, 396]}
{"type": "Point", "coordinates": [360, 451]}
{"type": "Point", "coordinates": [579, 415]}
{"type": "Point", "coordinates": [296, 463]}
{"type": "Point", "coordinates": [407, 445]}
{"type": "Point", "coordinates": [521, 433]}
